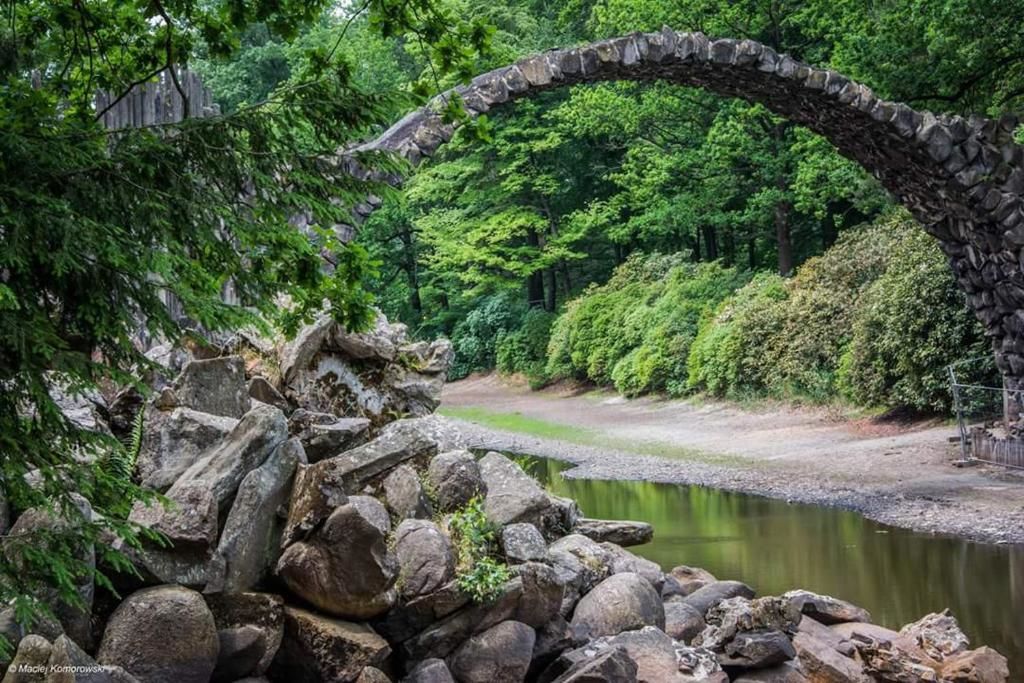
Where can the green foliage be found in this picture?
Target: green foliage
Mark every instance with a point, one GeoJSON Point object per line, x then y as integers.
{"type": "Point", "coordinates": [524, 350]}
{"type": "Point", "coordinates": [912, 322]}
{"type": "Point", "coordinates": [99, 226]}
{"type": "Point", "coordinates": [726, 358]}
{"type": "Point", "coordinates": [478, 573]}
{"type": "Point", "coordinates": [877, 318]}
{"type": "Point", "coordinates": [476, 337]}
{"type": "Point", "coordinates": [636, 330]}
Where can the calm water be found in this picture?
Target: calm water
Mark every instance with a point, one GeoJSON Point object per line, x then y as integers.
{"type": "Point", "coordinates": [774, 546]}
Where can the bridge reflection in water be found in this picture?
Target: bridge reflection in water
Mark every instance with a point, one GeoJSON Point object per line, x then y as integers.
{"type": "Point", "coordinates": [898, 575]}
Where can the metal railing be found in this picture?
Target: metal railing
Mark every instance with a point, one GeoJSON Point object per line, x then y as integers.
{"type": "Point", "coordinates": [988, 414]}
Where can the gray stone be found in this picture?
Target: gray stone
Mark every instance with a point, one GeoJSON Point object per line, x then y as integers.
{"type": "Point", "coordinates": [215, 386]}
{"type": "Point", "coordinates": [317, 648]}
{"type": "Point", "coordinates": [708, 596]}
{"type": "Point", "coordinates": [241, 650]}
{"type": "Point", "coordinates": [682, 622]}
{"type": "Point", "coordinates": [30, 661]}
{"type": "Point", "coordinates": [430, 671]}
{"type": "Point", "coordinates": [407, 618]}
{"type": "Point", "coordinates": [512, 494]}
{"type": "Point", "coordinates": [345, 568]}
{"type": "Point", "coordinates": [162, 635]}
{"type": "Point", "coordinates": [621, 533]}
{"type": "Point", "coordinates": [455, 479]}
{"type": "Point", "coordinates": [619, 603]}
{"type": "Point", "coordinates": [733, 616]}
{"type": "Point", "coordinates": [623, 561]}
{"type": "Point", "coordinates": [581, 563]}
{"type": "Point", "coordinates": [522, 543]}
{"type": "Point", "coordinates": [249, 444]}
{"type": "Point", "coordinates": [404, 494]}
{"type": "Point", "coordinates": [501, 653]}
{"type": "Point", "coordinates": [425, 557]}
{"type": "Point", "coordinates": [261, 612]}
{"type": "Point", "coordinates": [190, 525]}
{"type": "Point", "coordinates": [758, 649]}
{"type": "Point", "coordinates": [173, 441]}
{"type": "Point", "coordinates": [322, 487]}
{"type": "Point", "coordinates": [68, 663]}
{"type": "Point", "coordinates": [250, 542]}
{"type": "Point", "coordinates": [938, 634]}
{"type": "Point", "coordinates": [690, 579]}
{"type": "Point", "coordinates": [820, 662]}
{"type": "Point", "coordinates": [553, 638]}
{"type": "Point", "coordinates": [74, 620]}
{"type": "Point", "coordinates": [263, 391]}
{"type": "Point", "coordinates": [826, 609]}
{"type": "Point", "coordinates": [611, 664]}
{"type": "Point", "coordinates": [372, 674]}
{"type": "Point", "coordinates": [324, 435]}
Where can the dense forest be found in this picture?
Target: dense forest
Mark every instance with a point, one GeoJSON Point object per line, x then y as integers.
{"type": "Point", "coordinates": [661, 238]}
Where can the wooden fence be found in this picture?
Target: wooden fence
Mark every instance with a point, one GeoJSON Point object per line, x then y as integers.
{"type": "Point", "coordinates": [157, 102]}
{"type": "Point", "coordinates": [988, 447]}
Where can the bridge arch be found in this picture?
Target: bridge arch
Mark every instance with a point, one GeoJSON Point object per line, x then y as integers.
{"type": "Point", "coordinates": [963, 179]}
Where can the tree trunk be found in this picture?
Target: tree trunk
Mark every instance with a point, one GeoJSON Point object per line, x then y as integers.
{"type": "Point", "coordinates": [829, 232]}
{"type": "Point", "coordinates": [710, 242]}
{"type": "Point", "coordinates": [550, 289]}
{"type": "Point", "coordinates": [566, 279]}
{"type": "Point", "coordinates": [696, 245]}
{"type": "Point", "coordinates": [784, 238]}
{"type": "Point", "coordinates": [535, 283]}
{"type": "Point", "coordinates": [752, 253]}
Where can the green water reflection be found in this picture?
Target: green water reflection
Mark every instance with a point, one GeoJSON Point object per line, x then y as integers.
{"type": "Point", "coordinates": [898, 575]}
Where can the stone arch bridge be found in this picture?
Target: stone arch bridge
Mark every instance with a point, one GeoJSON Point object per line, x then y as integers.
{"type": "Point", "coordinates": [963, 179]}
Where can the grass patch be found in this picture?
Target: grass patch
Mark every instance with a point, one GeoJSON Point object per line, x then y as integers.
{"type": "Point", "coordinates": [531, 426]}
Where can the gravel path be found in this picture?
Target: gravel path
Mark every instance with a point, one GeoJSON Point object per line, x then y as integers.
{"type": "Point", "coordinates": [898, 475]}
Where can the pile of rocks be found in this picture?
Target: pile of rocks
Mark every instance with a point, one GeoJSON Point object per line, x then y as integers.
{"type": "Point", "coordinates": [310, 542]}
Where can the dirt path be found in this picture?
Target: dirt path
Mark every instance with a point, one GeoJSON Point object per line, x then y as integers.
{"type": "Point", "coordinates": [897, 475]}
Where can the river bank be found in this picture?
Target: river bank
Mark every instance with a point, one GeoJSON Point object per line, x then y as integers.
{"type": "Point", "coordinates": [893, 474]}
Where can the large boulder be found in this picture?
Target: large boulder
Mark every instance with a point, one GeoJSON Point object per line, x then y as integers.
{"type": "Point", "coordinates": [30, 660]}
{"type": "Point", "coordinates": [260, 389]}
{"type": "Point", "coordinates": [316, 649]}
{"type": "Point", "coordinates": [658, 658]}
{"type": "Point", "coordinates": [430, 671]}
{"type": "Point", "coordinates": [455, 479]}
{"type": "Point", "coordinates": [373, 374]}
{"type": "Point", "coordinates": [250, 627]}
{"type": "Point", "coordinates": [735, 616]}
{"type": "Point", "coordinates": [189, 522]}
{"type": "Point", "coordinates": [251, 540]}
{"type": "Point", "coordinates": [610, 664]}
{"type": "Point", "coordinates": [322, 487]}
{"type": "Point", "coordinates": [404, 495]}
{"type": "Point", "coordinates": [172, 441]}
{"type": "Point", "coordinates": [757, 649]}
{"type": "Point", "coordinates": [787, 672]}
{"type": "Point", "coordinates": [522, 542]}
{"type": "Point", "coordinates": [345, 568]}
{"type": "Point", "coordinates": [165, 634]}
{"type": "Point", "coordinates": [532, 597]}
{"type": "Point", "coordinates": [623, 561]}
{"type": "Point", "coordinates": [581, 563]}
{"type": "Point", "coordinates": [31, 530]}
{"type": "Point", "coordinates": [324, 435]}
{"type": "Point", "coordinates": [68, 663]}
{"type": "Point", "coordinates": [826, 609]}
{"type": "Point", "coordinates": [407, 618]}
{"type": "Point", "coordinates": [621, 602]}
{"type": "Point", "coordinates": [708, 596]}
{"type": "Point", "coordinates": [215, 386]}
{"type": "Point", "coordinates": [425, 558]}
{"type": "Point", "coordinates": [682, 622]}
{"type": "Point", "coordinates": [619, 532]}
{"type": "Point", "coordinates": [512, 494]}
{"type": "Point", "coordinates": [249, 444]}
{"type": "Point", "coordinates": [821, 662]}
{"type": "Point", "coordinates": [983, 665]}
{"type": "Point", "coordinates": [691, 579]}
{"type": "Point", "coordinates": [938, 634]}
{"type": "Point", "coordinates": [501, 653]}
